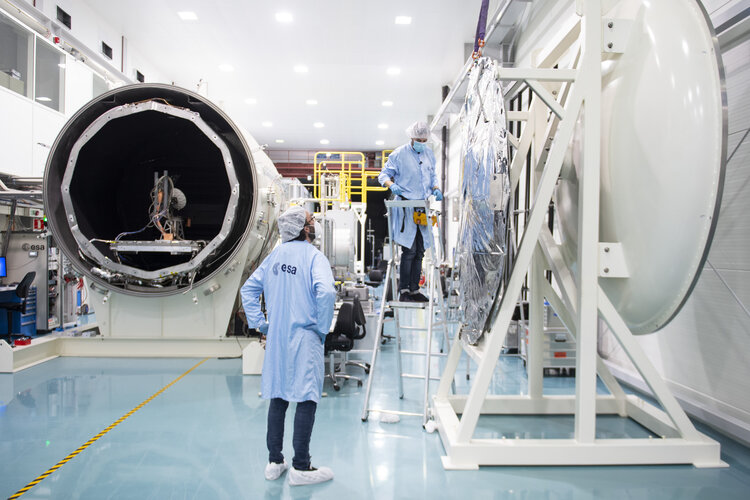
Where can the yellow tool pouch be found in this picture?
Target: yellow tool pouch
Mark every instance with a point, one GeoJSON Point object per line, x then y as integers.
{"type": "Point", "coordinates": [420, 218]}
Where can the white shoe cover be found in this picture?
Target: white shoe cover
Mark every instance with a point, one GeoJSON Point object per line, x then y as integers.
{"type": "Point", "coordinates": [274, 471]}
{"type": "Point", "coordinates": [301, 477]}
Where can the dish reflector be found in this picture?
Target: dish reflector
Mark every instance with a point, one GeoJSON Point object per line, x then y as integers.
{"type": "Point", "coordinates": [664, 133]}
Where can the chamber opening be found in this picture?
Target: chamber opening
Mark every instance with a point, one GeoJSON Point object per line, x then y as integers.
{"type": "Point", "coordinates": [125, 158]}
{"type": "Point", "coordinates": [100, 179]}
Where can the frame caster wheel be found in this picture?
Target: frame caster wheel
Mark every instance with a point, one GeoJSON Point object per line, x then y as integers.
{"type": "Point", "coordinates": [359, 383]}
{"type": "Point", "coordinates": [336, 387]}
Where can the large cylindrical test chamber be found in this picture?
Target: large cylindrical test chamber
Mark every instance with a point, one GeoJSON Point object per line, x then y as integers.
{"type": "Point", "coordinates": [164, 205]}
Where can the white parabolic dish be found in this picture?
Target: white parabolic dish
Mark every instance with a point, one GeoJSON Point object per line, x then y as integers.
{"type": "Point", "coordinates": [663, 153]}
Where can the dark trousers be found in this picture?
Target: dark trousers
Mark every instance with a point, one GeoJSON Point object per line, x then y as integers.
{"type": "Point", "coordinates": [411, 264]}
{"type": "Point", "coordinates": [304, 418]}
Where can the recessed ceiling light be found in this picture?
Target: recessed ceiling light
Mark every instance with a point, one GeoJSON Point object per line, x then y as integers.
{"type": "Point", "coordinates": [226, 67]}
{"type": "Point", "coordinates": [267, 124]}
{"type": "Point", "coordinates": [251, 100]}
{"type": "Point", "coordinates": [319, 125]}
{"type": "Point", "coordinates": [188, 15]}
{"type": "Point", "coordinates": [279, 141]}
{"type": "Point", "coordinates": [379, 143]}
{"type": "Point", "coordinates": [325, 141]}
{"type": "Point", "coordinates": [382, 126]}
{"type": "Point", "coordinates": [311, 102]}
{"type": "Point", "coordinates": [387, 104]}
{"type": "Point", "coordinates": [403, 20]}
{"type": "Point", "coordinates": [393, 70]}
{"type": "Point", "coordinates": [43, 99]}
{"type": "Point", "coordinates": [300, 68]}
{"type": "Point", "coordinates": [284, 17]}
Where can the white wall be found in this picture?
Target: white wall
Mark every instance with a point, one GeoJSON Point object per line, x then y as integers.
{"type": "Point", "coordinates": [26, 138]}
{"type": "Point", "coordinates": [15, 133]}
{"type": "Point", "coordinates": [87, 26]}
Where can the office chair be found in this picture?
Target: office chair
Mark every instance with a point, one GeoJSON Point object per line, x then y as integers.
{"type": "Point", "coordinates": [350, 326]}
{"type": "Point", "coordinates": [22, 292]}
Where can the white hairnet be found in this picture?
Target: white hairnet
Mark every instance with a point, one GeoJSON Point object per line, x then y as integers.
{"type": "Point", "coordinates": [291, 223]}
{"type": "Point", "coordinates": [418, 130]}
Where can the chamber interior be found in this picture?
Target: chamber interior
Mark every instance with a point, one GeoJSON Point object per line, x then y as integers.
{"type": "Point", "coordinates": [115, 174]}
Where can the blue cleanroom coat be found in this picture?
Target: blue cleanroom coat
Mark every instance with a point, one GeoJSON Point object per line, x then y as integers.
{"type": "Point", "coordinates": [298, 285]}
{"type": "Point", "coordinates": [417, 181]}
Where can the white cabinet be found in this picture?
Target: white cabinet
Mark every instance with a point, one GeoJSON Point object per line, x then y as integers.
{"type": "Point", "coordinates": [15, 133]}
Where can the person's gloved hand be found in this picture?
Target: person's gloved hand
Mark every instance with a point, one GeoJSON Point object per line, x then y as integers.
{"type": "Point", "coordinates": [263, 328]}
{"type": "Point", "coordinates": [438, 194]}
{"type": "Point", "coordinates": [396, 189]}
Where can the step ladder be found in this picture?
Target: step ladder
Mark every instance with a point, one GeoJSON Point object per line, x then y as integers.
{"type": "Point", "coordinates": [435, 305]}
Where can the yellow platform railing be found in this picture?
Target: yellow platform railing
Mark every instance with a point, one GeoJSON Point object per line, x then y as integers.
{"type": "Point", "coordinates": [352, 171]}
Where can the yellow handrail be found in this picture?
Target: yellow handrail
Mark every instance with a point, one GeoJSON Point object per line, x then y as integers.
{"type": "Point", "coordinates": [350, 166]}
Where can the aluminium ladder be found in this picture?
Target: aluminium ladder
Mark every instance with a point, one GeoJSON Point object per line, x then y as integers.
{"type": "Point", "coordinates": [435, 296]}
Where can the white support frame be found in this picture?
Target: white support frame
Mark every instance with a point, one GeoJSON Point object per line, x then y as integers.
{"type": "Point", "coordinates": [579, 307]}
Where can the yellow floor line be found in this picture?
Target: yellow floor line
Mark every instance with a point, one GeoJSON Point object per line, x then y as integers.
{"type": "Point", "coordinates": [93, 439]}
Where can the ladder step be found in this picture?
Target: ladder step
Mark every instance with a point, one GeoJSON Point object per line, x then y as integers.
{"type": "Point", "coordinates": [396, 412]}
{"type": "Point", "coordinates": [419, 328]}
{"type": "Point", "coordinates": [422, 353]}
{"type": "Point", "coordinates": [414, 305]}
{"type": "Point", "coordinates": [413, 375]}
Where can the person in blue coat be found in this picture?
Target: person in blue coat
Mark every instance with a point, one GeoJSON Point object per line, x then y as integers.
{"type": "Point", "coordinates": [298, 286]}
{"type": "Point", "coordinates": [410, 174]}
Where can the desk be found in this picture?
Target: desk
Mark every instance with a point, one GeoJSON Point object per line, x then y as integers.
{"type": "Point", "coordinates": [24, 324]}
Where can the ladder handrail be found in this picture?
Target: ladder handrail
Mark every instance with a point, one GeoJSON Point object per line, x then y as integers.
{"type": "Point", "coordinates": [435, 288]}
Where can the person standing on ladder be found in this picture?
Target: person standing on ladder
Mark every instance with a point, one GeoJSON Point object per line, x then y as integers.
{"type": "Point", "coordinates": [410, 174]}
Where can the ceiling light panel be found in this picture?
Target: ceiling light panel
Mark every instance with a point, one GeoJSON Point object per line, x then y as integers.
{"type": "Point", "coordinates": [382, 126]}
{"type": "Point", "coordinates": [188, 15]}
{"type": "Point", "coordinates": [318, 124]}
{"type": "Point", "coordinates": [325, 141]}
{"type": "Point", "coordinates": [393, 71]}
{"type": "Point", "coordinates": [311, 102]}
{"type": "Point", "coordinates": [387, 104]}
{"type": "Point", "coordinates": [403, 20]}
{"type": "Point", "coordinates": [301, 68]}
{"type": "Point", "coordinates": [227, 68]}
{"type": "Point", "coordinates": [267, 124]}
{"type": "Point", "coordinates": [284, 17]}
{"type": "Point", "coordinates": [251, 100]}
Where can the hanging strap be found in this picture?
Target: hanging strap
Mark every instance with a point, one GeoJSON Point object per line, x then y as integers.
{"type": "Point", "coordinates": [481, 29]}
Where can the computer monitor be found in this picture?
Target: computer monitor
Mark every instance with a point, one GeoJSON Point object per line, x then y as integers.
{"type": "Point", "coordinates": [3, 269]}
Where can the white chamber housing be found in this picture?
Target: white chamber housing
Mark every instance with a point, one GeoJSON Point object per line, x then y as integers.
{"type": "Point", "coordinates": [99, 197]}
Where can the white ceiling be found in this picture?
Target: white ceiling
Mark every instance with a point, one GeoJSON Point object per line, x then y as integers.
{"type": "Point", "coordinates": [346, 44]}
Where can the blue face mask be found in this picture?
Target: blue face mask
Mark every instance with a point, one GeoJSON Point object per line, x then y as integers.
{"type": "Point", "coordinates": [419, 146]}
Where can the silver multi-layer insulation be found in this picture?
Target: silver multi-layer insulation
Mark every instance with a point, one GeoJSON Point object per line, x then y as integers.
{"type": "Point", "coordinates": [485, 195]}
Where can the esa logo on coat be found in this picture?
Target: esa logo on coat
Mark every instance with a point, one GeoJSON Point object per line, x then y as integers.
{"type": "Point", "coordinates": [285, 268]}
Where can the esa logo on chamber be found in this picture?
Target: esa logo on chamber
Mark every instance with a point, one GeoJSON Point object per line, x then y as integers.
{"type": "Point", "coordinates": [285, 268]}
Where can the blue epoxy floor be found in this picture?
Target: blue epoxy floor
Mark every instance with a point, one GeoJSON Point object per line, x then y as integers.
{"type": "Point", "coordinates": [204, 438]}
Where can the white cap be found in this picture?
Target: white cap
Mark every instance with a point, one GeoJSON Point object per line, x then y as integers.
{"type": "Point", "coordinates": [291, 223]}
{"type": "Point", "coordinates": [418, 130]}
